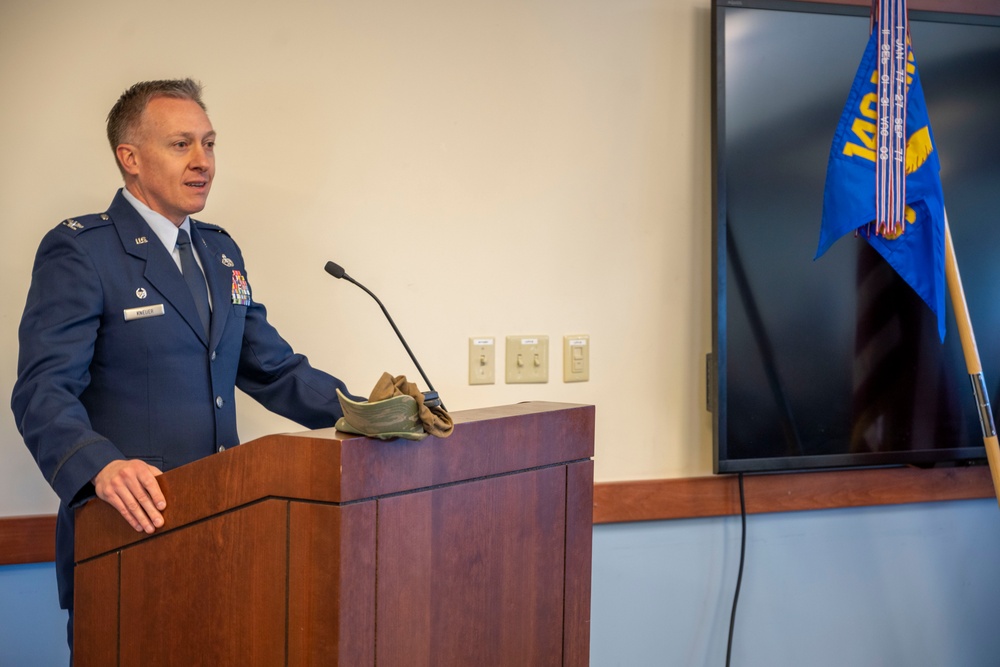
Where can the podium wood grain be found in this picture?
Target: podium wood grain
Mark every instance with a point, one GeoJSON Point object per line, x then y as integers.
{"type": "Point", "coordinates": [322, 548]}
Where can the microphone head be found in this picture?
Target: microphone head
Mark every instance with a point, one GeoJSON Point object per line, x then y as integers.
{"type": "Point", "coordinates": [335, 270]}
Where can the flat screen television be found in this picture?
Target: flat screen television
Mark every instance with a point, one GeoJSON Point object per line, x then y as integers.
{"type": "Point", "coordinates": [834, 362]}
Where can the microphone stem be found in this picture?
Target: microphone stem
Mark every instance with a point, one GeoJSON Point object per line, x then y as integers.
{"type": "Point", "coordinates": [394, 328]}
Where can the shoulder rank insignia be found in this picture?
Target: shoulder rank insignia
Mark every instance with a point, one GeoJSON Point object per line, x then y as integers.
{"type": "Point", "coordinates": [241, 291]}
{"type": "Point", "coordinates": [73, 224]}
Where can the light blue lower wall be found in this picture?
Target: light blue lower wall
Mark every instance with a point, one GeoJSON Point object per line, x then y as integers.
{"type": "Point", "coordinates": [908, 585]}
{"type": "Point", "coordinates": [32, 626]}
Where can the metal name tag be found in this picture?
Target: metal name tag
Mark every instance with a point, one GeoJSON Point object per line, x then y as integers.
{"type": "Point", "coordinates": [145, 311]}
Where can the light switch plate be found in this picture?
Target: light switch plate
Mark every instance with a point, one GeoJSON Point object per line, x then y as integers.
{"type": "Point", "coordinates": [576, 358]}
{"type": "Point", "coordinates": [527, 359]}
{"type": "Point", "coordinates": [482, 360]}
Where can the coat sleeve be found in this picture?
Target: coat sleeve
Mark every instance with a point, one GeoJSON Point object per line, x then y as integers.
{"type": "Point", "coordinates": [57, 334]}
{"type": "Point", "coordinates": [283, 381]}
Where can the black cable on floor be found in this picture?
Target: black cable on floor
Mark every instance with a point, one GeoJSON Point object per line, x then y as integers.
{"type": "Point", "coordinates": [739, 578]}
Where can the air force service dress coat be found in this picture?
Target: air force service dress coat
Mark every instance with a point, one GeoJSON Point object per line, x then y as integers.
{"type": "Point", "coordinates": [114, 362]}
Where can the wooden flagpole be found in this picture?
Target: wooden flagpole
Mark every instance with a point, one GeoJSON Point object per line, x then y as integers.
{"type": "Point", "coordinates": [972, 362]}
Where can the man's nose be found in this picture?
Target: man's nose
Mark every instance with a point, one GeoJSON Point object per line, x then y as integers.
{"type": "Point", "coordinates": [200, 159]}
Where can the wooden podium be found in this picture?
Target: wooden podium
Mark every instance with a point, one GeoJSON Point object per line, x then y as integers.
{"type": "Point", "coordinates": [323, 548]}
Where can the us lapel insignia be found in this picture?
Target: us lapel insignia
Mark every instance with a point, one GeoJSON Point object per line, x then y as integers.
{"type": "Point", "coordinates": [241, 291]}
{"type": "Point", "coordinates": [227, 262]}
{"type": "Point", "coordinates": [140, 240]}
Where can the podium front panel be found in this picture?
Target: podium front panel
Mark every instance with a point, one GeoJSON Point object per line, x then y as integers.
{"type": "Point", "coordinates": [472, 573]}
{"type": "Point", "coordinates": [331, 583]}
{"type": "Point", "coordinates": [212, 593]}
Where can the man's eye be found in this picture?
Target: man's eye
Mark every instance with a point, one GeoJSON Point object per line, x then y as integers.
{"type": "Point", "coordinates": [180, 144]}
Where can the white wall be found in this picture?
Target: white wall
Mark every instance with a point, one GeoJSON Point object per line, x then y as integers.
{"type": "Point", "coordinates": [487, 168]}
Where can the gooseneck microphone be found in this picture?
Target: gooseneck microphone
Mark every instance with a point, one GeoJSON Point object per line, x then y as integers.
{"type": "Point", "coordinates": [431, 398]}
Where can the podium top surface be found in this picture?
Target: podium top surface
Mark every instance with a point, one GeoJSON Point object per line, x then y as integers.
{"type": "Point", "coordinates": [329, 466]}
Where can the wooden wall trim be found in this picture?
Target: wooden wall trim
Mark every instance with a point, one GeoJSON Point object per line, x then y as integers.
{"type": "Point", "coordinates": [27, 539]}
{"type": "Point", "coordinates": [694, 497]}
{"type": "Point", "coordinates": [31, 539]}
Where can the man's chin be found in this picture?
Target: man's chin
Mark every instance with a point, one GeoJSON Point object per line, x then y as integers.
{"type": "Point", "coordinates": [197, 204]}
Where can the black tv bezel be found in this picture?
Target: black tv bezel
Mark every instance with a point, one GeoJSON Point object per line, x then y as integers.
{"type": "Point", "coordinates": [716, 362]}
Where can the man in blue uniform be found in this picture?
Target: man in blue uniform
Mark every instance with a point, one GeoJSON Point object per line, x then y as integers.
{"type": "Point", "coordinates": [139, 325]}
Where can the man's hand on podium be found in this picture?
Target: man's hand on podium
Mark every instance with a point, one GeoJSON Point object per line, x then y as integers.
{"type": "Point", "coordinates": [130, 487]}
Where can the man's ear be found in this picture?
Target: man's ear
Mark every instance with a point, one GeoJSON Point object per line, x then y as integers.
{"type": "Point", "coordinates": [128, 158]}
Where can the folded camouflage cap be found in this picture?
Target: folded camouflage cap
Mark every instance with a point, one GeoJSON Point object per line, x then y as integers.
{"type": "Point", "coordinates": [394, 417]}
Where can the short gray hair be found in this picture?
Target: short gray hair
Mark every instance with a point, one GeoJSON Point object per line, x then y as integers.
{"type": "Point", "coordinates": [126, 114]}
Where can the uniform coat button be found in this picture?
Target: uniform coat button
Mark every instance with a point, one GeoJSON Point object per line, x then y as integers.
{"type": "Point", "coordinates": [219, 402]}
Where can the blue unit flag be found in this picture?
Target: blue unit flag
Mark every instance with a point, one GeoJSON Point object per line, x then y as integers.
{"type": "Point", "coordinates": [915, 248]}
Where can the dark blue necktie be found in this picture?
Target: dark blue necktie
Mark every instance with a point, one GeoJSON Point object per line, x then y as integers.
{"type": "Point", "coordinates": [194, 278]}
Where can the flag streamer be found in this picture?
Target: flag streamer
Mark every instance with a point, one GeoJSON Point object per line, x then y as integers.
{"type": "Point", "coordinates": [890, 166]}
{"type": "Point", "coordinates": [883, 176]}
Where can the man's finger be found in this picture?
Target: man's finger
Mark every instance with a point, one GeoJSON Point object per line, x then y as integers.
{"type": "Point", "coordinates": [141, 488]}
{"type": "Point", "coordinates": [153, 487]}
{"type": "Point", "coordinates": [124, 511]}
